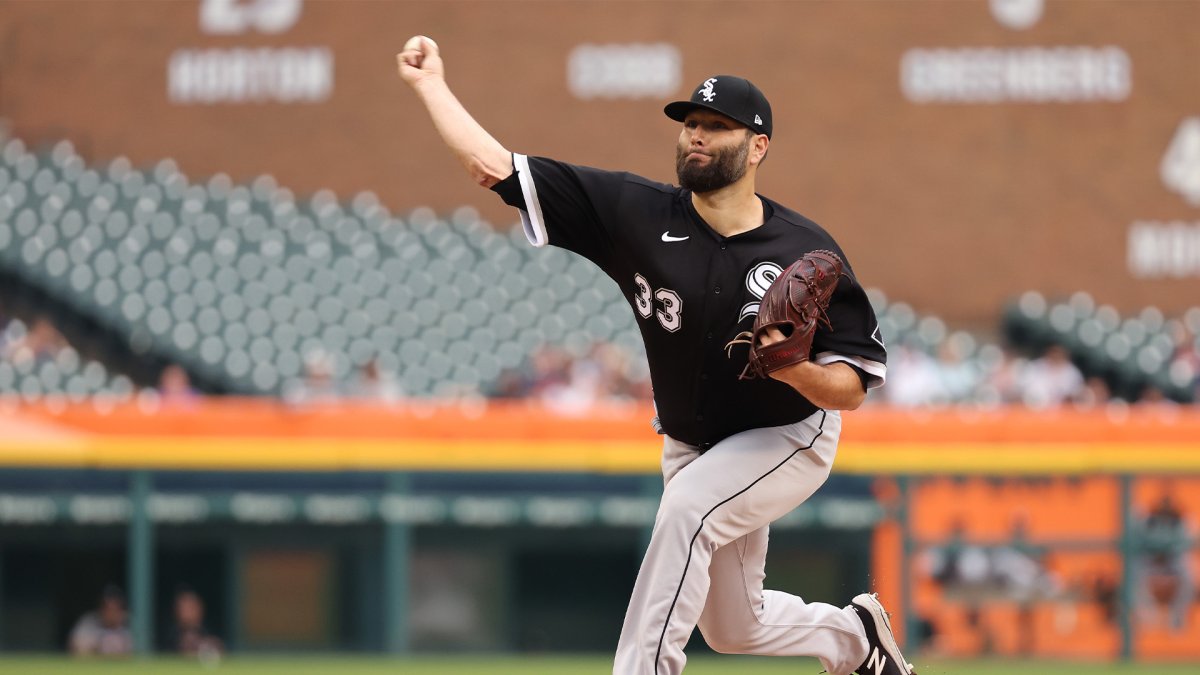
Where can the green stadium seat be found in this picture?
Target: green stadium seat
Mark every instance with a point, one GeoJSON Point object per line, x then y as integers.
{"type": "Point", "coordinates": [330, 310]}
{"type": "Point", "coordinates": [159, 321]}
{"type": "Point", "coordinates": [106, 293]}
{"type": "Point", "coordinates": [543, 299]}
{"type": "Point", "coordinates": [530, 338]}
{"type": "Point", "coordinates": [118, 168]}
{"type": "Point", "coordinates": [265, 377]}
{"type": "Point", "coordinates": [255, 294]}
{"type": "Point", "coordinates": [212, 350]}
{"type": "Point", "coordinates": [258, 322]}
{"type": "Point", "coordinates": [227, 281]}
{"type": "Point", "coordinates": [324, 281]}
{"type": "Point", "coordinates": [306, 322]}
{"type": "Point", "coordinates": [133, 307]}
{"type": "Point", "coordinates": [235, 335]}
{"type": "Point", "coordinates": [237, 363]}
{"type": "Point", "coordinates": [208, 319]}
{"type": "Point", "coordinates": [455, 325]}
{"type": "Point", "coordinates": [598, 325]}
{"type": "Point", "coordinates": [31, 387]}
{"type": "Point", "coordinates": [281, 308]}
{"type": "Point", "coordinates": [385, 339]}
{"type": "Point", "coordinates": [184, 335]}
{"type": "Point", "coordinates": [43, 181]}
{"type": "Point", "coordinates": [231, 306]}
{"type": "Point", "coordinates": [94, 375]}
{"type": "Point", "coordinates": [262, 350]}
{"type": "Point", "coordinates": [285, 336]}
{"type": "Point", "coordinates": [25, 168]}
{"type": "Point", "coordinates": [288, 363]}
{"type": "Point", "coordinates": [14, 149]}
{"type": "Point", "coordinates": [378, 311]}
{"type": "Point", "coordinates": [356, 323]}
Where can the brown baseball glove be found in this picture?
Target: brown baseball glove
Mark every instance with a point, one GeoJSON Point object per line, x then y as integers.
{"type": "Point", "coordinates": [795, 304]}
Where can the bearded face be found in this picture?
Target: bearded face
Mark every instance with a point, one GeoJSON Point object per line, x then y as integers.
{"type": "Point", "coordinates": [725, 166]}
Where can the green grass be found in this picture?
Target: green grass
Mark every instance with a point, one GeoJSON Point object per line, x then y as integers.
{"type": "Point", "coordinates": [538, 665]}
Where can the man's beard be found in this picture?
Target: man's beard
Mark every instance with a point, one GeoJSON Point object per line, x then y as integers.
{"type": "Point", "coordinates": [724, 168]}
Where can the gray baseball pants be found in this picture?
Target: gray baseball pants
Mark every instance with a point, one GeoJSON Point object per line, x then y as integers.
{"type": "Point", "coordinates": [705, 563]}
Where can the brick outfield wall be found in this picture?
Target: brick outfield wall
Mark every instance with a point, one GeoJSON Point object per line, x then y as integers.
{"type": "Point", "coordinates": [987, 199]}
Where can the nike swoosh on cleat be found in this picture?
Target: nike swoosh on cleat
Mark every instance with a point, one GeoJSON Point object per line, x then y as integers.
{"type": "Point", "coordinates": [667, 237]}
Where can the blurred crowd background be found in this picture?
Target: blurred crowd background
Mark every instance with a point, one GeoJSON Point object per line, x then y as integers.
{"type": "Point", "coordinates": [231, 212]}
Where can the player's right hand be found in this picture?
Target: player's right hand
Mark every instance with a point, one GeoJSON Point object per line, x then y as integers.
{"type": "Point", "coordinates": [419, 60]}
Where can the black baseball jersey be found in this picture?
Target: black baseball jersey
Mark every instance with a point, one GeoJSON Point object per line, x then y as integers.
{"type": "Point", "coordinates": [693, 290]}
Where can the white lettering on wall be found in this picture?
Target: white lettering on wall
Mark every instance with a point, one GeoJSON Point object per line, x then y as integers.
{"type": "Point", "coordinates": [208, 76]}
{"type": "Point", "coordinates": [1180, 167]}
{"type": "Point", "coordinates": [1017, 14]}
{"type": "Point", "coordinates": [1159, 249]}
{"type": "Point", "coordinates": [1017, 74]}
{"type": "Point", "coordinates": [230, 17]}
{"type": "Point", "coordinates": [624, 70]}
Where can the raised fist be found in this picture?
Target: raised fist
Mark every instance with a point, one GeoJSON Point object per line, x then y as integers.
{"type": "Point", "coordinates": [419, 60]}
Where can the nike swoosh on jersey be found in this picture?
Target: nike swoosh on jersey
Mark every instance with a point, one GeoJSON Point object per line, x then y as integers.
{"type": "Point", "coordinates": [667, 237]}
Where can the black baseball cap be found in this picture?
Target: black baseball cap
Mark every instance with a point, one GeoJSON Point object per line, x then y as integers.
{"type": "Point", "coordinates": [732, 96]}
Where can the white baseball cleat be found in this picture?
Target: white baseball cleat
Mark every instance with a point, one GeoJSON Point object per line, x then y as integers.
{"type": "Point", "coordinates": [883, 654]}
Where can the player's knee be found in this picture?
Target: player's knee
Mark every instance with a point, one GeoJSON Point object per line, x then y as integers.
{"type": "Point", "coordinates": [725, 639]}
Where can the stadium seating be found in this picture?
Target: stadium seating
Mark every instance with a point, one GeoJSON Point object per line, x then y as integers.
{"type": "Point", "coordinates": [250, 287]}
{"type": "Point", "coordinates": [1131, 353]}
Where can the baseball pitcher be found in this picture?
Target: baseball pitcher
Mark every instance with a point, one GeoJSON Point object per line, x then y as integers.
{"type": "Point", "coordinates": [757, 335]}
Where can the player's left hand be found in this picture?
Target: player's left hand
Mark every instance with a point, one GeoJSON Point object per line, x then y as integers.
{"type": "Point", "coordinates": [770, 337]}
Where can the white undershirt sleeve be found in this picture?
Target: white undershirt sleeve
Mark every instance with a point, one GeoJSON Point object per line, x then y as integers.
{"type": "Point", "coordinates": [877, 371]}
{"type": "Point", "coordinates": [531, 215]}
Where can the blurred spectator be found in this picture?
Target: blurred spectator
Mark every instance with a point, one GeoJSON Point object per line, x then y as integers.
{"type": "Point", "coordinates": [319, 385]}
{"type": "Point", "coordinates": [44, 340]}
{"type": "Point", "coordinates": [958, 380]}
{"type": "Point", "coordinates": [913, 379]}
{"type": "Point", "coordinates": [1153, 396]}
{"type": "Point", "coordinates": [374, 384]}
{"type": "Point", "coordinates": [175, 387]}
{"type": "Point", "coordinates": [549, 367]}
{"type": "Point", "coordinates": [1186, 342]}
{"type": "Point", "coordinates": [957, 563]}
{"type": "Point", "coordinates": [1003, 380]}
{"type": "Point", "coordinates": [190, 637]}
{"type": "Point", "coordinates": [569, 384]}
{"type": "Point", "coordinates": [1095, 393]}
{"type": "Point", "coordinates": [512, 383]}
{"type": "Point", "coordinates": [105, 630]}
{"type": "Point", "coordinates": [978, 575]}
{"type": "Point", "coordinates": [1164, 570]}
{"type": "Point", "coordinates": [1106, 593]}
{"type": "Point", "coordinates": [1051, 381]}
{"type": "Point", "coordinates": [38, 342]}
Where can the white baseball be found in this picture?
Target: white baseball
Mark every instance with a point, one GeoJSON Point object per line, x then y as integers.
{"type": "Point", "coordinates": [415, 43]}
